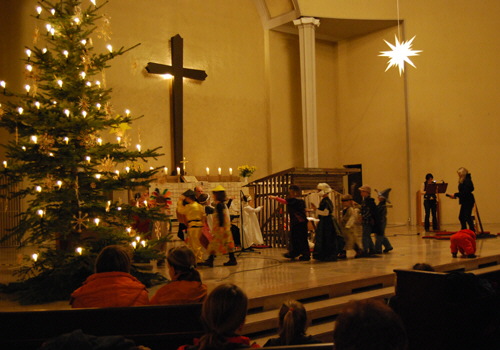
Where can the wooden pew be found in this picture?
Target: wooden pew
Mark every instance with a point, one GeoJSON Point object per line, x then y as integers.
{"type": "Point", "coordinates": [447, 310]}
{"type": "Point", "coordinates": [162, 327]}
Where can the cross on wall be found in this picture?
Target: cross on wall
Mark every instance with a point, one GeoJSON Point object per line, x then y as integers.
{"type": "Point", "coordinates": [178, 72]}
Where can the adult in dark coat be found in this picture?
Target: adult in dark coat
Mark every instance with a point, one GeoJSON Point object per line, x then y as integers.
{"type": "Point", "coordinates": [465, 198]}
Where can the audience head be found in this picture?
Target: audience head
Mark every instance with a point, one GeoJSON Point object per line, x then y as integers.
{"type": "Point", "coordinates": [113, 258]}
{"type": "Point", "coordinates": [423, 267]}
{"type": "Point", "coordinates": [292, 322]}
{"type": "Point", "coordinates": [369, 324]}
{"type": "Point", "coordinates": [183, 264]}
{"type": "Point", "coordinates": [223, 314]}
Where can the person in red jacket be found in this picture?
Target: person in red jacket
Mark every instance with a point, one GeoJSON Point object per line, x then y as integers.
{"type": "Point", "coordinates": [111, 285]}
{"type": "Point", "coordinates": [465, 242]}
{"type": "Point", "coordinates": [186, 286]}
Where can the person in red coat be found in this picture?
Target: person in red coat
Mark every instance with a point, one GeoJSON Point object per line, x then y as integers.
{"type": "Point", "coordinates": [111, 285]}
{"type": "Point", "coordinates": [465, 242]}
{"type": "Point", "coordinates": [186, 286]}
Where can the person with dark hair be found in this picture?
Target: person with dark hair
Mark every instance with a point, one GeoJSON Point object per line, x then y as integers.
{"type": "Point", "coordinates": [185, 286]}
{"type": "Point", "coordinates": [465, 198]}
{"type": "Point", "coordinates": [223, 315]}
{"type": "Point", "coordinates": [381, 222]}
{"type": "Point", "coordinates": [296, 208]}
{"type": "Point", "coordinates": [222, 238]}
{"type": "Point", "coordinates": [194, 213]}
{"type": "Point", "coordinates": [369, 219]}
{"type": "Point", "coordinates": [292, 326]}
{"type": "Point", "coordinates": [111, 285]}
{"type": "Point", "coordinates": [369, 324]}
{"type": "Point", "coordinates": [423, 267]}
{"type": "Point", "coordinates": [430, 204]}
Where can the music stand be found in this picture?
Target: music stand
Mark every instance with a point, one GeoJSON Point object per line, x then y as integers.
{"type": "Point", "coordinates": [436, 187]}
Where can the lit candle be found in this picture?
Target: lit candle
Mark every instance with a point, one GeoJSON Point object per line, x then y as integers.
{"type": "Point", "coordinates": [127, 112]}
{"type": "Point", "coordinates": [3, 84]}
{"type": "Point", "coordinates": [143, 243]}
{"type": "Point", "coordinates": [53, 11]}
{"type": "Point", "coordinates": [129, 230]}
{"type": "Point", "coordinates": [145, 203]}
{"type": "Point", "coordinates": [84, 42]}
{"type": "Point", "coordinates": [134, 244]}
{"type": "Point", "coordinates": [178, 171]}
{"type": "Point", "coordinates": [84, 113]}
{"type": "Point", "coordinates": [138, 147]}
{"type": "Point", "coordinates": [66, 139]}
{"type": "Point", "coordinates": [220, 171]}
{"type": "Point", "coordinates": [208, 171]}
{"type": "Point", "coordinates": [34, 257]}
{"type": "Point", "coordinates": [87, 158]}
{"type": "Point", "coordinates": [37, 105]}
{"type": "Point", "coordinates": [79, 250]}
{"type": "Point", "coordinates": [98, 105]}
{"type": "Point", "coordinates": [5, 164]}
{"type": "Point", "coordinates": [59, 184]}
{"type": "Point", "coordinates": [117, 173]}
{"type": "Point", "coordinates": [44, 50]}
{"type": "Point", "coordinates": [76, 20]}
{"type": "Point", "coordinates": [230, 171]}
{"type": "Point", "coordinates": [83, 75]}
{"type": "Point", "coordinates": [27, 88]}
{"type": "Point", "coordinates": [165, 170]}
{"type": "Point", "coordinates": [96, 221]}
{"type": "Point", "coordinates": [137, 238]}
{"type": "Point", "coordinates": [39, 10]}
{"type": "Point", "coordinates": [52, 32]}
{"type": "Point", "coordinates": [34, 139]}
{"type": "Point", "coordinates": [151, 168]}
{"type": "Point", "coordinates": [98, 176]}
{"type": "Point", "coordinates": [99, 141]}
{"type": "Point", "coordinates": [28, 53]}
{"type": "Point", "coordinates": [60, 83]}
{"type": "Point", "coordinates": [48, 26]}
{"type": "Point", "coordinates": [93, 2]}
{"type": "Point", "coordinates": [65, 53]}
{"type": "Point", "coordinates": [88, 83]}
{"type": "Point", "coordinates": [98, 83]}
{"type": "Point", "coordinates": [38, 188]}
{"type": "Point", "coordinates": [20, 110]}
{"type": "Point", "coordinates": [119, 139]}
{"type": "Point", "coordinates": [110, 48]}
{"type": "Point", "coordinates": [66, 111]}
{"type": "Point", "coordinates": [127, 169]}
{"type": "Point", "coordinates": [40, 212]}
{"type": "Point", "coordinates": [108, 206]}
{"type": "Point", "coordinates": [29, 67]}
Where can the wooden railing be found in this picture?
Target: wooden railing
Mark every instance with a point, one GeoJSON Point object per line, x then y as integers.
{"type": "Point", "coordinates": [274, 217]}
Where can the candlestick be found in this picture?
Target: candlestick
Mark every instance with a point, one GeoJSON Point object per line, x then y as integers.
{"type": "Point", "coordinates": [178, 171]}
{"type": "Point", "coordinates": [220, 171]}
{"type": "Point", "coordinates": [165, 170]}
{"type": "Point", "coordinates": [208, 171]}
{"type": "Point", "coordinates": [138, 147]}
{"type": "Point", "coordinates": [230, 171]}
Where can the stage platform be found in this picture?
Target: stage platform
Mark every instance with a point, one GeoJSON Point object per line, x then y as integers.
{"type": "Point", "coordinates": [269, 279]}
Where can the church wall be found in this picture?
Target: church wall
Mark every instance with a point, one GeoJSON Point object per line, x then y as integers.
{"type": "Point", "coordinates": [371, 120]}
{"type": "Point", "coordinates": [453, 97]}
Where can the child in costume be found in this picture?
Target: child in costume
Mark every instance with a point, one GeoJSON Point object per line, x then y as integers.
{"type": "Point", "coordinates": [251, 228]}
{"type": "Point", "coordinates": [194, 213]}
{"type": "Point", "coordinates": [222, 238]}
{"type": "Point", "coordinates": [368, 214]}
{"type": "Point", "coordinates": [351, 225]}
{"type": "Point", "coordinates": [325, 247]}
{"type": "Point", "coordinates": [381, 222]}
{"type": "Point", "coordinates": [298, 224]}
{"type": "Point", "coordinates": [464, 241]}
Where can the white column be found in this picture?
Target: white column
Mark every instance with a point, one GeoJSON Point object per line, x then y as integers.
{"type": "Point", "coordinates": [307, 27]}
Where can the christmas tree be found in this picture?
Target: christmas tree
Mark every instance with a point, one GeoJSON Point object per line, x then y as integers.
{"type": "Point", "coordinates": [70, 160]}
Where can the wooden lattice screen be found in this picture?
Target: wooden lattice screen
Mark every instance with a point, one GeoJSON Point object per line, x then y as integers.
{"type": "Point", "coordinates": [9, 210]}
{"type": "Point", "coordinates": [273, 217]}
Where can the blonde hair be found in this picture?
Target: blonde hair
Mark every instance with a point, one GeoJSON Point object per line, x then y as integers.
{"type": "Point", "coordinates": [462, 173]}
{"type": "Point", "coordinates": [292, 322]}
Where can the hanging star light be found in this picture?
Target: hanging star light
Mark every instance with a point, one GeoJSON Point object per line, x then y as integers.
{"type": "Point", "coordinates": [399, 54]}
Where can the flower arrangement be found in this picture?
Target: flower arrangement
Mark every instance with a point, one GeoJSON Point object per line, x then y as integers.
{"type": "Point", "coordinates": [246, 170]}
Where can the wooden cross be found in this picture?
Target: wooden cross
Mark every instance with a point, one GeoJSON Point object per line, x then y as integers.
{"type": "Point", "coordinates": [178, 72]}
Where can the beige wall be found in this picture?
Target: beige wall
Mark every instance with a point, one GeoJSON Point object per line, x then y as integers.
{"type": "Point", "coordinates": [248, 110]}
